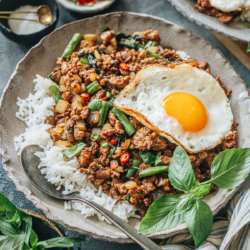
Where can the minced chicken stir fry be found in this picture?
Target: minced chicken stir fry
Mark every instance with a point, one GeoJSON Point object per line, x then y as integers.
{"type": "Point", "coordinates": [115, 150]}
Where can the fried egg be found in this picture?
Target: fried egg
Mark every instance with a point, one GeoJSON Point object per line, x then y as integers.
{"type": "Point", "coordinates": [230, 5]}
{"type": "Point", "coordinates": [182, 103]}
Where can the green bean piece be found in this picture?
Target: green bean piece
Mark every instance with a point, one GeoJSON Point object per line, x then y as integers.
{"type": "Point", "coordinates": [104, 145]}
{"type": "Point", "coordinates": [153, 170]}
{"type": "Point", "coordinates": [151, 54]}
{"type": "Point", "coordinates": [74, 150]}
{"type": "Point", "coordinates": [91, 85]}
{"type": "Point", "coordinates": [103, 113]}
{"type": "Point", "coordinates": [94, 89]}
{"type": "Point", "coordinates": [135, 164]}
{"type": "Point", "coordinates": [84, 61]}
{"type": "Point", "coordinates": [148, 44]}
{"type": "Point", "coordinates": [54, 91]}
{"type": "Point", "coordinates": [95, 105]}
{"type": "Point", "coordinates": [94, 136]}
{"type": "Point", "coordinates": [108, 95]}
{"type": "Point", "coordinates": [71, 46]}
{"type": "Point", "coordinates": [124, 121]}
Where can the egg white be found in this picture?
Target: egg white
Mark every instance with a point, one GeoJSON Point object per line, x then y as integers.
{"type": "Point", "coordinates": [230, 5]}
{"type": "Point", "coordinates": [142, 99]}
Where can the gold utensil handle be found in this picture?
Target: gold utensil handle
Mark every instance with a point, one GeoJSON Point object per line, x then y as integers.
{"type": "Point", "coordinates": [16, 18]}
{"type": "Point", "coordinates": [17, 12]}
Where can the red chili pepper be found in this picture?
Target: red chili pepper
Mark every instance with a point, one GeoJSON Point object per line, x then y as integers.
{"type": "Point", "coordinates": [123, 66]}
{"type": "Point", "coordinates": [104, 98]}
{"type": "Point", "coordinates": [81, 1]}
{"type": "Point", "coordinates": [105, 132]}
{"type": "Point", "coordinates": [124, 158]}
{"type": "Point", "coordinates": [113, 141]}
{"type": "Point", "coordinates": [85, 96]}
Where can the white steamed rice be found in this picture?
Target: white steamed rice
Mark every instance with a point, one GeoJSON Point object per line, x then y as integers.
{"type": "Point", "coordinates": [58, 170]}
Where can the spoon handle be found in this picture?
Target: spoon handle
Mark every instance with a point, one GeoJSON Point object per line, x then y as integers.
{"type": "Point", "coordinates": [15, 18]}
{"type": "Point", "coordinates": [140, 239]}
{"type": "Point", "coordinates": [17, 12]}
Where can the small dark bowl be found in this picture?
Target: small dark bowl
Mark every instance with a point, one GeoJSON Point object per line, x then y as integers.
{"type": "Point", "coordinates": [11, 5]}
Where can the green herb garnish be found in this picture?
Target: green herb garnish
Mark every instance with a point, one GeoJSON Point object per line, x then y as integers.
{"type": "Point", "coordinates": [74, 150]}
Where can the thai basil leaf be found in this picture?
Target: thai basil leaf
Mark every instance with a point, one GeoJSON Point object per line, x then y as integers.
{"type": "Point", "coordinates": [185, 202]}
{"type": "Point", "coordinates": [160, 215]}
{"type": "Point", "coordinates": [84, 53]}
{"type": "Point", "coordinates": [8, 229]}
{"type": "Point", "coordinates": [180, 173]}
{"type": "Point", "coordinates": [92, 63]}
{"type": "Point", "coordinates": [15, 242]}
{"type": "Point", "coordinates": [74, 150]}
{"type": "Point", "coordinates": [127, 197]}
{"type": "Point", "coordinates": [199, 220]}
{"type": "Point", "coordinates": [157, 160]}
{"type": "Point", "coordinates": [33, 238]}
{"type": "Point", "coordinates": [16, 220]}
{"type": "Point", "coordinates": [59, 242]}
{"type": "Point", "coordinates": [147, 157]}
{"type": "Point", "coordinates": [230, 168]}
{"type": "Point", "coordinates": [7, 208]}
{"type": "Point", "coordinates": [200, 191]}
{"type": "Point", "coordinates": [120, 35]}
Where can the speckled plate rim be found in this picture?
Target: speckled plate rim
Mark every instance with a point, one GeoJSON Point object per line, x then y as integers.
{"type": "Point", "coordinates": [99, 6]}
{"type": "Point", "coordinates": [37, 202]}
{"type": "Point", "coordinates": [216, 27]}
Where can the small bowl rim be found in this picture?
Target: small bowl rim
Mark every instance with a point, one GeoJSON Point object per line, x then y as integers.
{"type": "Point", "coordinates": [55, 17]}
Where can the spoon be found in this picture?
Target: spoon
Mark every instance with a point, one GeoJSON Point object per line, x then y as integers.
{"type": "Point", "coordinates": [43, 12]}
{"type": "Point", "coordinates": [30, 164]}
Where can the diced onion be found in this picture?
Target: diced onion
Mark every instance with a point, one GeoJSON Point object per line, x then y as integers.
{"type": "Point", "coordinates": [97, 130]}
{"type": "Point", "coordinates": [130, 184]}
{"type": "Point", "coordinates": [58, 130]}
{"type": "Point", "coordinates": [125, 72]}
{"type": "Point", "coordinates": [93, 77]}
{"type": "Point", "coordinates": [127, 143]}
{"type": "Point", "coordinates": [91, 37]}
{"type": "Point", "coordinates": [62, 120]}
{"type": "Point", "coordinates": [83, 88]}
{"type": "Point", "coordinates": [114, 164]}
{"type": "Point", "coordinates": [63, 89]}
{"type": "Point", "coordinates": [84, 43]}
{"type": "Point", "coordinates": [78, 98]}
{"type": "Point", "coordinates": [63, 80]}
{"type": "Point", "coordinates": [76, 104]}
{"type": "Point", "coordinates": [94, 116]}
{"type": "Point", "coordinates": [113, 42]}
{"type": "Point", "coordinates": [81, 125]}
{"type": "Point", "coordinates": [61, 106]}
{"type": "Point", "coordinates": [77, 78]}
{"type": "Point", "coordinates": [75, 88]}
{"type": "Point", "coordinates": [153, 49]}
{"type": "Point", "coordinates": [103, 174]}
{"type": "Point", "coordinates": [97, 55]}
{"type": "Point", "coordinates": [63, 144]}
{"type": "Point", "coordinates": [109, 49]}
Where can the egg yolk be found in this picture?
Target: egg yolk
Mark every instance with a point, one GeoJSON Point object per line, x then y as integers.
{"type": "Point", "coordinates": [187, 109]}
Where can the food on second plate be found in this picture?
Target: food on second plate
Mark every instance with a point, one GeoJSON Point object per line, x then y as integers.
{"type": "Point", "coordinates": [97, 145]}
{"type": "Point", "coordinates": [88, 3]}
{"type": "Point", "coordinates": [186, 105]}
{"type": "Point", "coordinates": [225, 10]}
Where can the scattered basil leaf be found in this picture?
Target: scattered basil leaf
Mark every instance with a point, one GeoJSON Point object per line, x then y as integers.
{"type": "Point", "coordinates": [111, 100]}
{"type": "Point", "coordinates": [160, 215]}
{"type": "Point", "coordinates": [15, 242]}
{"type": "Point", "coordinates": [147, 157]}
{"type": "Point", "coordinates": [230, 168]}
{"type": "Point", "coordinates": [200, 191]}
{"type": "Point", "coordinates": [120, 35]}
{"type": "Point", "coordinates": [33, 238]}
{"type": "Point", "coordinates": [93, 63]}
{"type": "Point", "coordinates": [180, 173]}
{"type": "Point", "coordinates": [105, 29]}
{"type": "Point", "coordinates": [157, 160]}
{"type": "Point", "coordinates": [49, 75]}
{"type": "Point", "coordinates": [199, 220]}
{"type": "Point", "coordinates": [74, 150]}
{"type": "Point", "coordinates": [127, 197]}
{"type": "Point", "coordinates": [7, 208]}
{"type": "Point", "coordinates": [70, 129]}
{"type": "Point", "coordinates": [75, 142]}
{"type": "Point", "coordinates": [84, 53]}
{"type": "Point", "coordinates": [59, 242]}
{"type": "Point", "coordinates": [248, 47]}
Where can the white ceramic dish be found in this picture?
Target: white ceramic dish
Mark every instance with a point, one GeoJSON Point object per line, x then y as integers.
{"type": "Point", "coordinates": [234, 30]}
{"type": "Point", "coordinates": [20, 84]}
{"type": "Point", "coordinates": [99, 6]}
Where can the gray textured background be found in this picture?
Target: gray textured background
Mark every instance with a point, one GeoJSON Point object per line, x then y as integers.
{"type": "Point", "coordinates": [11, 53]}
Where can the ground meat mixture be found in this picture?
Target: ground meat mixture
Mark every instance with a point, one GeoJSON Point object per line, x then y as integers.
{"type": "Point", "coordinates": [109, 68]}
{"type": "Point", "coordinates": [204, 6]}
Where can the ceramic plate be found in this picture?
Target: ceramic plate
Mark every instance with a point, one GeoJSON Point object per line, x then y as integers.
{"type": "Point", "coordinates": [234, 30]}
{"type": "Point", "coordinates": [41, 60]}
{"type": "Point", "coordinates": [99, 6]}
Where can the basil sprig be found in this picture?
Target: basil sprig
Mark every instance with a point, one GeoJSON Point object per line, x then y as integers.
{"type": "Point", "coordinates": [16, 227]}
{"type": "Point", "coordinates": [74, 150]}
{"type": "Point", "coordinates": [228, 170]}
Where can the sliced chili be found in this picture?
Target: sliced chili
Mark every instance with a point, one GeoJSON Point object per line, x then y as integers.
{"type": "Point", "coordinates": [123, 66]}
{"type": "Point", "coordinates": [104, 98]}
{"type": "Point", "coordinates": [113, 141]}
{"type": "Point", "coordinates": [85, 96]}
{"type": "Point", "coordinates": [105, 132]}
{"type": "Point", "coordinates": [94, 136]}
{"type": "Point", "coordinates": [124, 158]}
